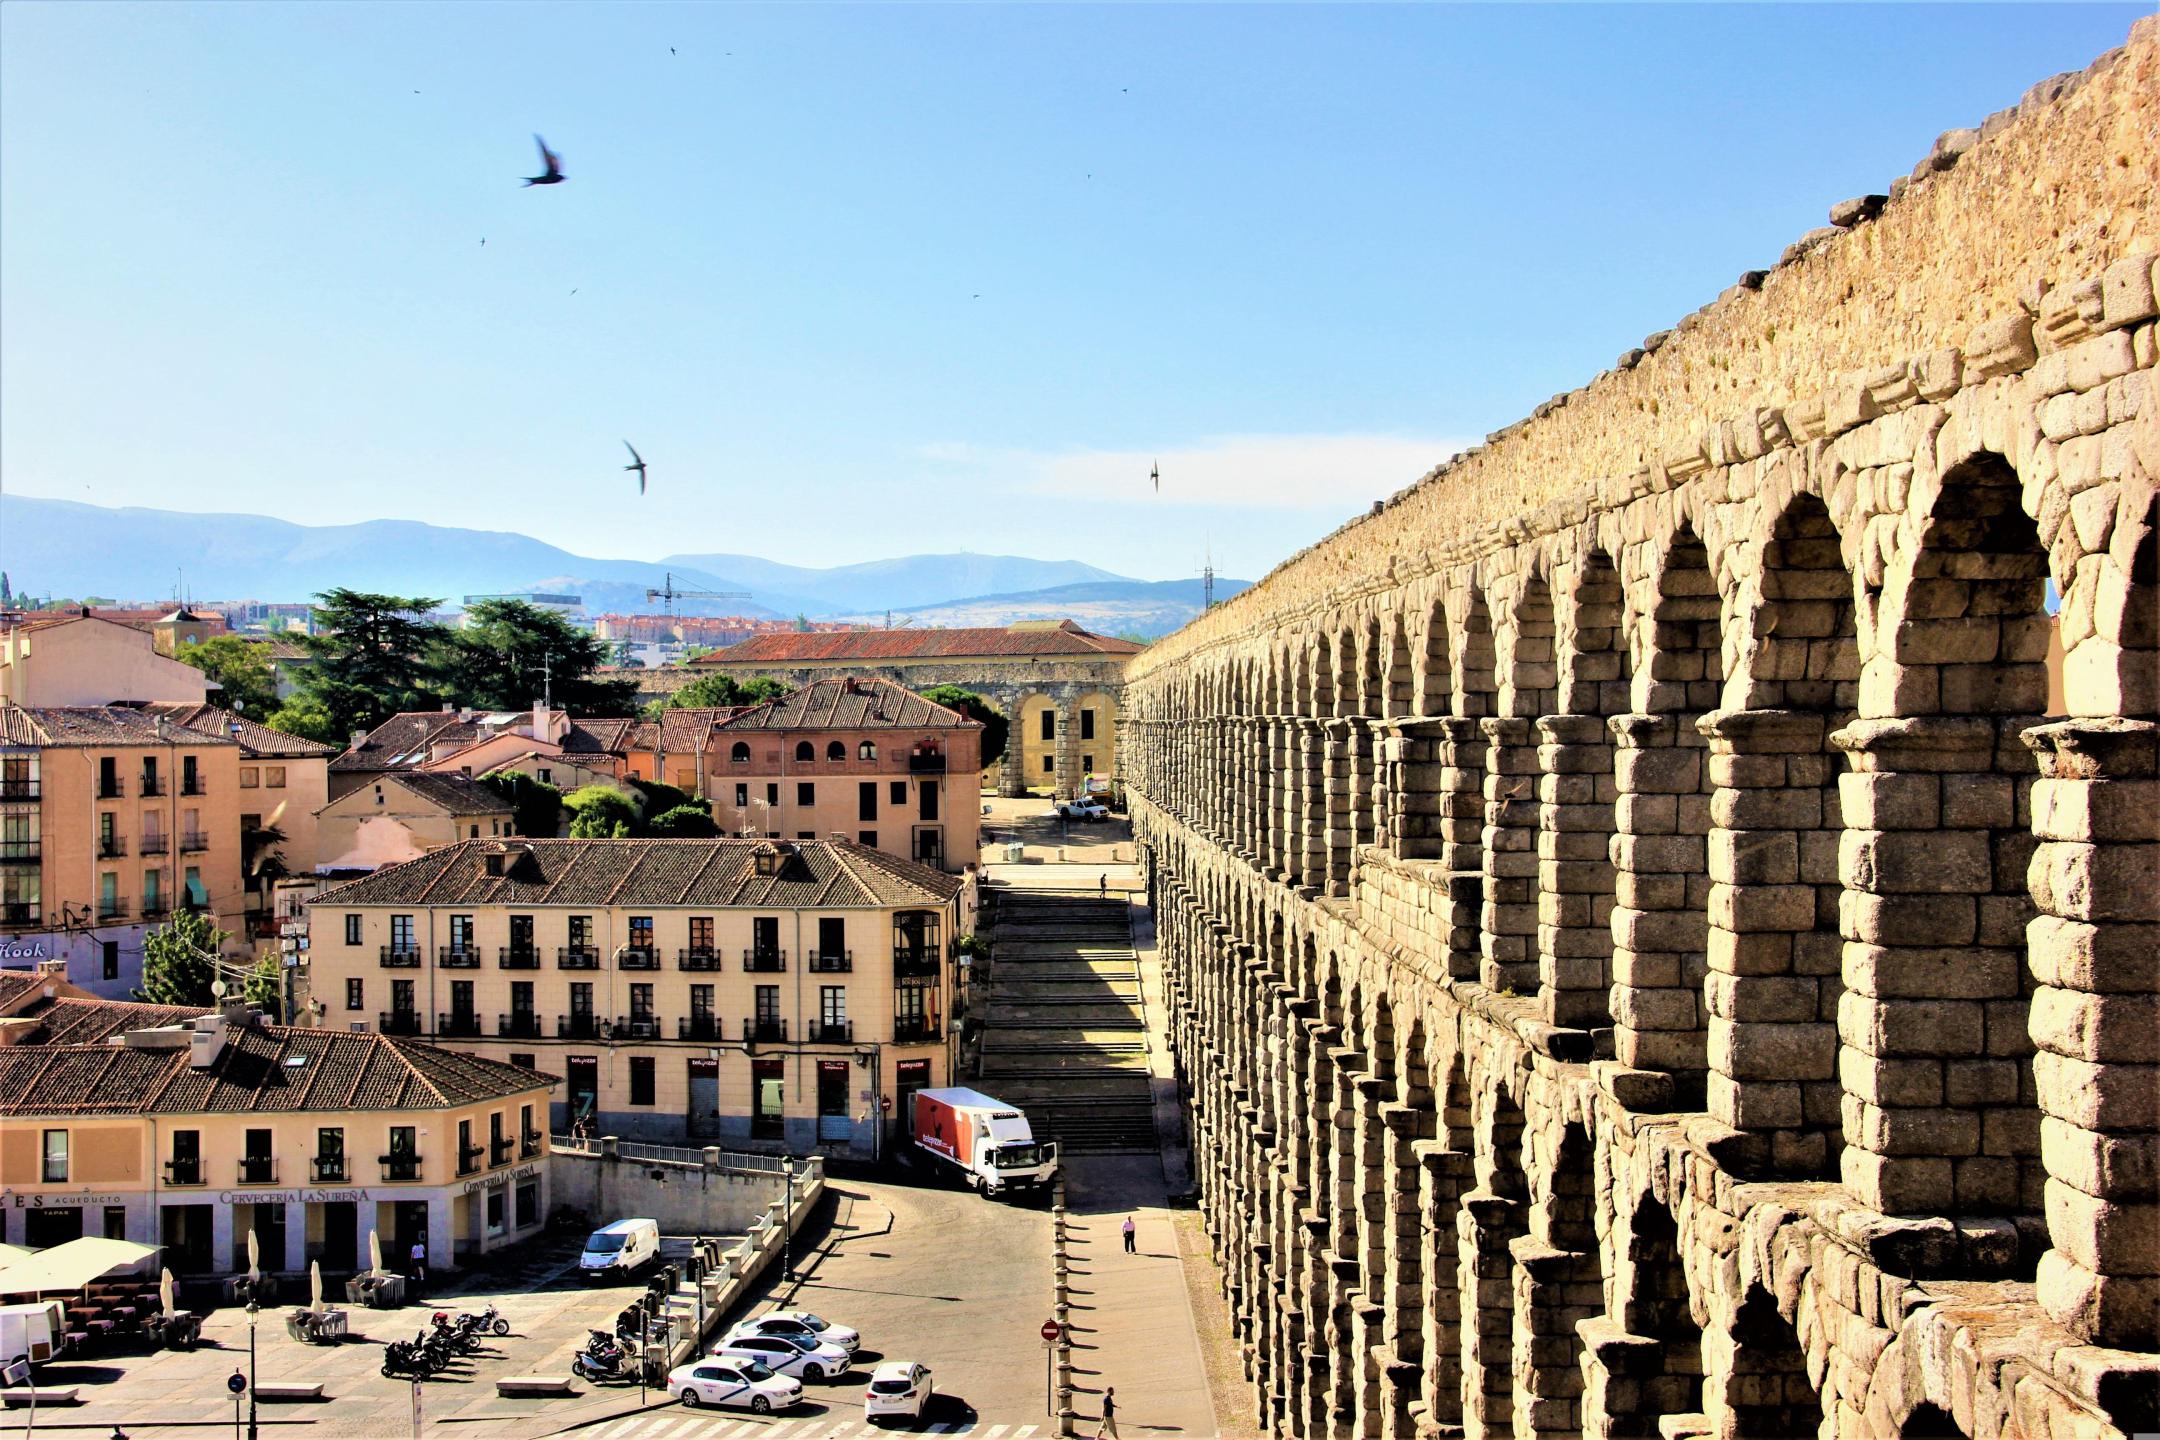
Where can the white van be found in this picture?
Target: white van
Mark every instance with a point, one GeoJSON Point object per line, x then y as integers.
{"type": "Point", "coordinates": [34, 1332]}
{"type": "Point", "coordinates": [623, 1247]}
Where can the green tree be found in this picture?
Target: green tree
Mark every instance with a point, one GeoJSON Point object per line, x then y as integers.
{"type": "Point", "coordinates": [683, 822]}
{"type": "Point", "coordinates": [180, 960]}
{"type": "Point", "coordinates": [718, 692]}
{"type": "Point", "coordinates": [264, 986]}
{"type": "Point", "coordinates": [996, 728]}
{"type": "Point", "coordinates": [507, 651]}
{"type": "Point", "coordinates": [601, 813]}
{"type": "Point", "coordinates": [655, 798]}
{"type": "Point", "coordinates": [308, 718]}
{"type": "Point", "coordinates": [241, 669]}
{"type": "Point", "coordinates": [535, 806]}
{"type": "Point", "coordinates": [370, 661]}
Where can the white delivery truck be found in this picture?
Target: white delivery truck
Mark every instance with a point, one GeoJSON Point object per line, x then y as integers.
{"type": "Point", "coordinates": [988, 1141]}
{"type": "Point", "coordinates": [34, 1332]}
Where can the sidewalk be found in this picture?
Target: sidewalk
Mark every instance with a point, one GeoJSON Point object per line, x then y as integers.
{"type": "Point", "coordinates": [1132, 1321]}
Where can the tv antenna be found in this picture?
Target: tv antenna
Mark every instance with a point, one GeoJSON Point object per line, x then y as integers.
{"type": "Point", "coordinates": [1207, 582]}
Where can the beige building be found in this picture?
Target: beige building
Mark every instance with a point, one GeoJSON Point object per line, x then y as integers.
{"type": "Point", "coordinates": [110, 817]}
{"type": "Point", "coordinates": [284, 782]}
{"type": "Point", "coordinates": [752, 992]}
{"type": "Point", "coordinates": [1056, 682]}
{"type": "Point", "coordinates": [476, 742]}
{"type": "Point", "coordinates": [79, 659]}
{"type": "Point", "coordinates": [189, 1131]}
{"type": "Point", "coordinates": [866, 759]}
{"type": "Point", "coordinates": [402, 817]}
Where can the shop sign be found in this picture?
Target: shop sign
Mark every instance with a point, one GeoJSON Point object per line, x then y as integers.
{"type": "Point", "coordinates": [290, 1197]}
{"type": "Point", "coordinates": [29, 949]}
{"type": "Point", "coordinates": [490, 1182]}
{"type": "Point", "coordinates": [38, 1200]}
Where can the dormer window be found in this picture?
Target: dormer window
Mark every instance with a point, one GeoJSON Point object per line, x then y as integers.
{"type": "Point", "coordinates": [493, 860]}
{"type": "Point", "coordinates": [740, 753]}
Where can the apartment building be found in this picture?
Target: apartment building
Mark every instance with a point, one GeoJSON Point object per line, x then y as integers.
{"type": "Point", "coordinates": [110, 816]}
{"type": "Point", "coordinates": [477, 742]}
{"type": "Point", "coordinates": [81, 659]}
{"type": "Point", "coordinates": [401, 817]}
{"type": "Point", "coordinates": [863, 758]}
{"type": "Point", "coordinates": [756, 993]}
{"type": "Point", "coordinates": [190, 1131]}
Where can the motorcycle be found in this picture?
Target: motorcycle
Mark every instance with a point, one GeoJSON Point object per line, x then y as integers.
{"type": "Point", "coordinates": [409, 1357]}
{"type": "Point", "coordinates": [486, 1322]}
{"type": "Point", "coordinates": [460, 1336]}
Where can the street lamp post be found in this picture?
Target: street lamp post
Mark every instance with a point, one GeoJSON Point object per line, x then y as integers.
{"type": "Point", "coordinates": [252, 1311]}
{"type": "Point", "coordinates": [787, 1222]}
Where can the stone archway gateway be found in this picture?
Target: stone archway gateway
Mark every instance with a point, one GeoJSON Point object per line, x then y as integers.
{"type": "Point", "coordinates": [1646, 943]}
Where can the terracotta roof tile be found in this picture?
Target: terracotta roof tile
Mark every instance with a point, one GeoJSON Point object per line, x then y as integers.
{"type": "Point", "coordinates": [849, 704]}
{"type": "Point", "coordinates": [54, 726]}
{"type": "Point", "coordinates": [453, 794]}
{"type": "Point", "coordinates": [787, 647]}
{"type": "Point", "coordinates": [253, 739]}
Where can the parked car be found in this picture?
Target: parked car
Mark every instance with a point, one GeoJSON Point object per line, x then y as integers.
{"type": "Point", "coordinates": [810, 1359]}
{"type": "Point", "coordinates": [1081, 810]}
{"type": "Point", "coordinates": [743, 1384]}
{"type": "Point", "coordinates": [898, 1388]}
{"type": "Point", "coordinates": [798, 1325]}
{"type": "Point", "coordinates": [621, 1248]}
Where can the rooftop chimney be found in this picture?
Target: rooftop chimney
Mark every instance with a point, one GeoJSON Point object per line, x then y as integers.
{"type": "Point", "coordinates": [208, 1041]}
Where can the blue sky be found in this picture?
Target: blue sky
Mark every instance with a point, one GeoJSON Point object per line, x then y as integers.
{"type": "Point", "coordinates": [870, 281]}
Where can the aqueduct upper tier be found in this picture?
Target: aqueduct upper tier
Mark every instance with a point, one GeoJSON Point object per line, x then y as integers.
{"type": "Point", "coordinates": [1651, 951]}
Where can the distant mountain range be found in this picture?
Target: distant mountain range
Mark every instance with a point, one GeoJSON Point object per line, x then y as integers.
{"type": "Point", "coordinates": [65, 549]}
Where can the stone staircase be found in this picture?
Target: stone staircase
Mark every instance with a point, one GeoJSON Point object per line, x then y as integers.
{"type": "Point", "coordinates": [1063, 1036]}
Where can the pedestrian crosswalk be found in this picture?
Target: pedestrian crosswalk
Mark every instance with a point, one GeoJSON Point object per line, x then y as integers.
{"type": "Point", "coordinates": [677, 1424]}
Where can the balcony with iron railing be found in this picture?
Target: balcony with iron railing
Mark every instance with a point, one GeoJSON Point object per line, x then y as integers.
{"type": "Point", "coordinates": [111, 790]}
{"type": "Point", "coordinates": [400, 1167]}
{"type": "Point", "coordinates": [529, 1143]}
{"type": "Point", "coordinates": [577, 1027]}
{"type": "Point", "coordinates": [111, 847]}
{"type": "Point", "coordinates": [837, 962]}
{"type": "Point", "coordinates": [914, 961]}
{"type": "Point", "coordinates": [194, 840]}
{"type": "Point", "coordinates": [400, 957]}
{"type": "Point", "coordinates": [151, 787]}
{"type": "Point", "coordinates": [155, 845]}
{"type": "Point", "coordinates": [764, 961]}
{"type": "Point", "coordinates": [517, 957]}
{"type": "Point", "coordinates": [468, 1158]}
{"type": "Point", "coordinates": [926, 763]}
{"type": "Point", "coordinates": [20, 912]}
{"type": "Point", "coordinates": [639, 957]}
{"type": "Point", "coordinates": [327, 1169]}
{"type": "Point", "coordinates": [184, 1172]}
{"type": "Point", "coordinates": [698, 1027]}
{"type": "Point", "coordinates": [155, 907]}
{"type": "Point", "coordinates": [21, 852]}
{"type": "Point", "coordinates": [763, 1031]}
{"type": "Point", "coordinates": [500, 1149]}
{"type": "Point", "coordinates": [518, 1025]}
{"type": "Point", "coordinates": [916, 1029]}
{"type": "Point", "coordinates": [577, 957]}
{"type": "Point", "coordinates": [194, 785]}
{"type": "Point", "coordinates": [398, 1022]}
{"type": "Point", "coordinates": [458, 1023]}
{"type": "Point", "coordinates": [697, 957]}
{"type": "Point", "coordinates": [110, 909]}
{"type": "Point", "coordinates": [23, 790]}
{"type": "Point", "coordinates": [258, 1170]}
{"type": "Point", "coordinates": [639, 1027]}
{"type": "Point", "coordinates": [457, 957]}
{"type": "Point", "coordinates": [831, 1032]}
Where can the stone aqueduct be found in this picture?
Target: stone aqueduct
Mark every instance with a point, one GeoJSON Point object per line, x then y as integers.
{"type": "Point", "coordinates": [1644, 957]}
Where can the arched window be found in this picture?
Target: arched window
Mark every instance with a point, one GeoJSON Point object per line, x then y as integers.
{"type": "Point", "coordinates": [805, 751]}
{"type": "Point", "coordinates": [867, 751]}
{"type": "Point", "coordinates": [741, 753]}
{"type": "Point", "coordinates": [836, 751]}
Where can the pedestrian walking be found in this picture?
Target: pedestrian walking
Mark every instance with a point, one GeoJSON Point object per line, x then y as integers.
{"type": "Point", "coordinates": [419, 1266]}
{"type": "Point", "coordinates": [1129, 1228]}
{"type": "Point", "coordinates": [1108, 1429]}
{"type": "Point", "coordinates": [1102, 885]}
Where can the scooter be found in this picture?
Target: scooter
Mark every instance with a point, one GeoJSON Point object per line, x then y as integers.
{"type": "Point", "coordinates": [408, 1357]}
{"type": "Point", "coordinates": [599, 1365]}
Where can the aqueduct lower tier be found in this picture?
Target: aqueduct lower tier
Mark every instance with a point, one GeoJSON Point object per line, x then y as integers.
{"type": "Point", "coordinates": [1653, 947]}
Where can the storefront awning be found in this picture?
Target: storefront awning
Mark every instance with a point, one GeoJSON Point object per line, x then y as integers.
{"type": "Point", "coordinates": [9, 1254]}
{"type": "Point", "coordinates": [70, 1266]}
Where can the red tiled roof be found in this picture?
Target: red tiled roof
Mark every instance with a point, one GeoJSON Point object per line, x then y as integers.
{"type": "Point", "coordinates": [1064, 638]}
{"type": "Point", "coordinates": [451, 793]}
{"type": "Point", "coordinates": [254, 740]}
{"type": "Point", "coordinates": [95, 725]}
{"type": "Point", "coordinates": [849, 704]}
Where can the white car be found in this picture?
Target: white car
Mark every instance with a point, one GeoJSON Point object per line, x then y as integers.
{"type": "Point", "coordinates": [898, 1387]}
{"type": "Point", "coordinates": [736, 1382]}
{"type": "Point", "coordinates": [798, 1325]}
{"type": "Point", "coordinates": [812, 1360]}
{"type": "Point", "coordinates": [1081, 810]}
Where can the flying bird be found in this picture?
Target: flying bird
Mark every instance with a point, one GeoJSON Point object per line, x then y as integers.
{"type": "Point", "coordinates": [670, 49]}
{"type": "Point", "coordinates": [1155, 474]}
{"type": "Point", "coordinates": [638, 465]}
{"type": "Point", "coordinates": [553, 174]}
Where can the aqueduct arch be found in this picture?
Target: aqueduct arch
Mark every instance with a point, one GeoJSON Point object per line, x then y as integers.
{"type": "Point", "coordinates": [1640, 943]}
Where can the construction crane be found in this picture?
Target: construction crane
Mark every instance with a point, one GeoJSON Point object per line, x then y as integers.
{"type": "Point", "coordinates": [668, 594]}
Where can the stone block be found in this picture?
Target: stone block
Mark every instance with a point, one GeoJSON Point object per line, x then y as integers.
{"type": "Point", "coordinates": [1897, 919]}
{"type": "Point", "coordinates": [2105, 1236]}
{"type": "Point", "coordinates": [1910, 1027]}
{"type": "Point", "coordinates": [1908, 972]}
{"type": "Point", "coordinates": [1890, 802]}
{"type": "Point", "coordinates": [1904, 862]}
{"type": "Point", "coordinates": [2097, 1027]}
{"type": "Point", "coordinates": [1747, 909]}
{"type": "Point", "coordinates": [2114, 1166]}
{"type": "Point", "coordinates": [2097, 1096]}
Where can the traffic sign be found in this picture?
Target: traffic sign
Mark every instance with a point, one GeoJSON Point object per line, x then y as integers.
{"type": "Point", "coordinates": [1051, 1330]}
{"type": "Point", "coordinates": [236, 1382]}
